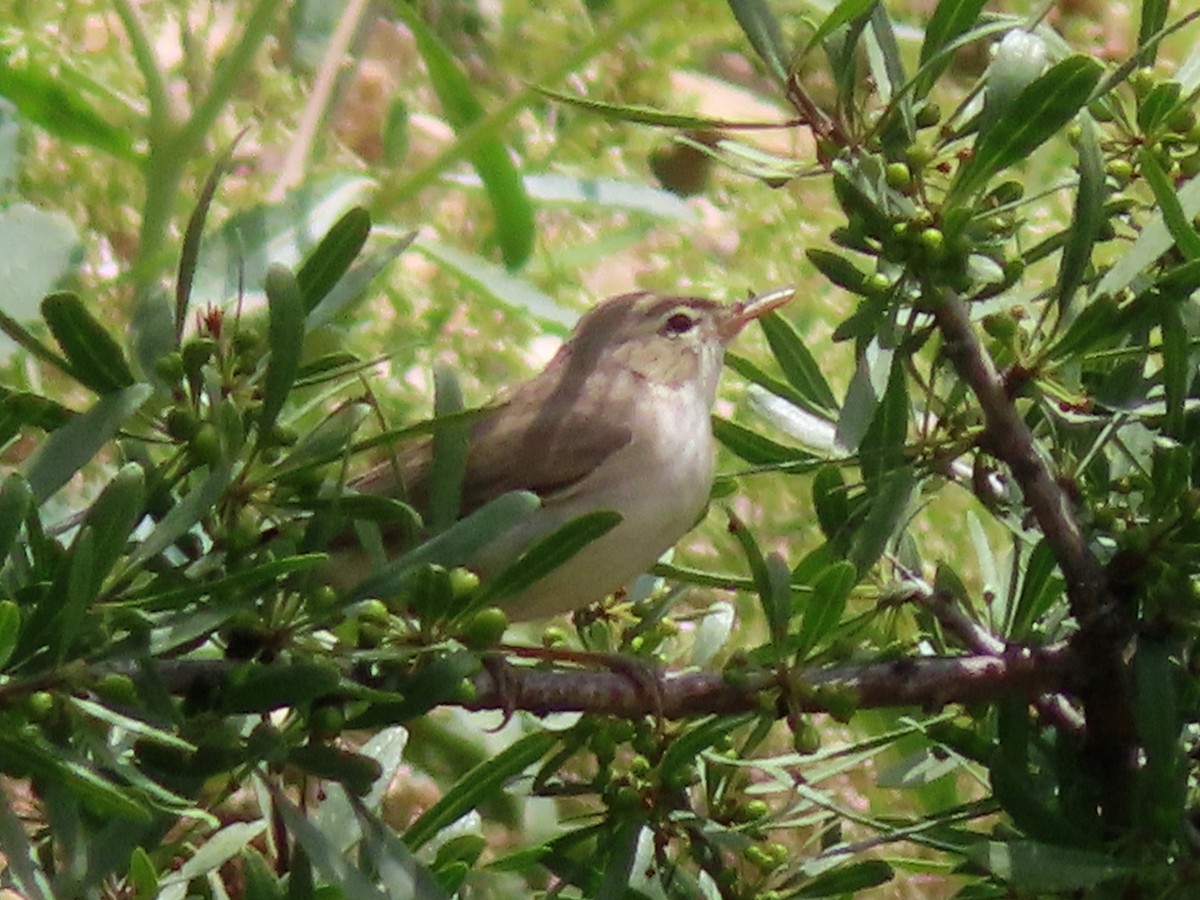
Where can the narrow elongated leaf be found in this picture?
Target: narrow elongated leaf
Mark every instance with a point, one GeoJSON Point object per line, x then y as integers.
{"type": "Point", "coordinates": [79, 596]}
{"type": "Point", "coordinates": [549, 553]}
{"type": "Point", "coordinates": [510, 203]}
{"type": "Point", "coordinates": [189, 251]}
{"type": "Point", "coordinates": [753, 447]}
{"type": "Point", "coordinates": [479, 785]}
{"type": "Point", "coordinates": [762, 30]}
{"type": "Point", "coordinates": [42, 98]}
{"type": "Point", "coordinates": [183, 515]}
{"type": "Point", "coordinates": [1178, 223]}
{"type": "Point", "coordinates": [31, 753]}
{"type": "Point", "coordinates": [285, 338]}
{"type": "Point", "coordinates": [888, 507]}
{"type": "Point", "coordinates": [1153, 18]}
{"type": "Point", "coordinates": [453, 546]}
{"type": "Point", "coordinates": [1152, 243]}
{"type": "Point", "coordinates": [399, 870]}
{"type": "Point", "coordinates": [645, 115]}
{"type": "Point", "coordinates": [1176, 372]}
{"type": "Point", "coordinates": [844, 13]}
{"type": "Point", "coordinates": [16, 498]}
{"type": "Point", "coordinates": [10, 630]}
{"type": "Point", "coordinates": [25, 338]}
{"type": "Point", "coordinates": [882, 446]}
{"type": "Point", "coordinates": [1035, 868]}
{"type": "Point", "coordinates": [20, 858]}
{"type": "Point", "coordinates": [332, 258]}
{"type": "Point", "coordinates": [1034, 115]}
{"type": "Point", "coordinates": [951, 19]}
{"type": "Point", "coordinates": [258, 687]}
{"type": "Point", "coordinates": [450, 447]}
{"type": "Point", "coordinates": [96, 360]}
{"type": "Point", "coordinates": [1089, 214]}
{"type": "Point", "coordinates": [1039, 589]}
{"type": "Point", "coordinates": [69, 448]}
{"type": "Point", "coordinates": [353, 284]}
{"type": "Point", "coordinates": [825, 605]}
{"type": "Point", "coordinates": [848, 879]}
{"type": "Point", "coordinates": [798, 364]}
{"type": "Point", "coordinates": [113, 516]}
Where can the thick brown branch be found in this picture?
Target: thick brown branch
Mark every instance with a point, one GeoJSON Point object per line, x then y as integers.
{"type": "Point", "coordinates": [1009, 439]}
{"type": "Point", "coordinates": [928, 683]}
{"type": "Point", "coordinates": [1102, 636]}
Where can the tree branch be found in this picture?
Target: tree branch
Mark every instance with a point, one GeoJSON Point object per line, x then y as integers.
{"type": "Point", "coordinates": [1106, 694]}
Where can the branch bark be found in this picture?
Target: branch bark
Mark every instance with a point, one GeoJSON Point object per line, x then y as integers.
{"type": "Point", "coordinates": [1106, 692]}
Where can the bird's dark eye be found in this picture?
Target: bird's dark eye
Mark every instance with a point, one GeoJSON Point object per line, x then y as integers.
{"type": "Point", "coordinates": [679, 323]}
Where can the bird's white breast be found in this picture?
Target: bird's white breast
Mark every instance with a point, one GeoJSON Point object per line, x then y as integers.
{"type": "Point", "coordinates": [659, 483]}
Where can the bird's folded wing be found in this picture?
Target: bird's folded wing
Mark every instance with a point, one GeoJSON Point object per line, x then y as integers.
{"type": "Point", "coordinates": [542, 438]}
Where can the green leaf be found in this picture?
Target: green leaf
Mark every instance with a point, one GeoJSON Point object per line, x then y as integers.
{"type": "Point", "coordinates": [824, 606]}
{"type": "Point", "coordinates": [839, 270]}
{"type": "Point", "coordinates": [1088, 216]}
{"type": "Point", "coordinates": [1158, 104]}
{"type": "Point", "coordinates": [331, 259]}
{"type": "Point", "coordinates": [1162, 781]}
{"type": "Point", "coordinates": [25, 750]}
{"type": "Point", "coordinates": [753, 447]}
{"type": "Point", "coordinates": [848, 879]}
{"type": "Point", "coordinates": [1155, 240]}
{"type": "Point", "coordinates": [285, 340]}
{"type": "Point", "coordinates": [262, 687]}
{"type": "Point", "coordinates": [67, 450]}
{"type": "Point", "coordinates": [799, 367]}
{"type": "Point", "coordinates": [640, 115]}
{"type": "Point", "coordinates": [396, 864]}
{"type": "Point", "coordinates": [1035, 114]}
{"type": "Point", "coordinates": [327, 858]}
{"type": "Point", "coordinates": [1176, 371]}
{"type": "Point", "coordinates": [762, 30]}
{"type": "Point", "coordinates": [844, 13]}
{"type": "Point", "coordinates": [450, 449]}
{"type": "Point", "coordinates": [831, 503]}
{"type": "Point", "coordinates": [951, 19]}
{"type": "Point", "coordinates": [235, 257]}
{"type": "Point", "coordinates": [10, 630]}
{"type": "Point", "coordinates": [1178, 223]}
{"type": "Point", "coordinates": [96, 360]}
{"type": "Point", "coordinates": [20, 408]}
{"type": "Point", "coordinates": [887, 509]}
{"type": "Point", "coordinates": [353, 285]}
{"type": "Point", "coordinates": [189, 251]}
{"type": "Point", "coordinates": [453, 546]}
{"type": "Point", "coordinates": [1040, 587]}
{"type": "Point", "coordinates": [882, 447]}
{"type": "Point", "coordinates": [16, 499]}
{"type": "Point", "coordinates": [113, 516]}
{"type": "Point", "coordinates": [510, 203]}
{"type": "Point", "coordinates": [548, 554]}
{"type": "Point", "coordinates": [1030, 867]}
{"type": "Point", "coordinates": [183, 515]}
{"type": "Point", "coordinates": [355, 771]}
{"type": "Point", "coordinates": [478, 786]}
{"type": "Point", "coordinates": [1152, 20]}
{"type": "Point", "coordinates": [41, 97]}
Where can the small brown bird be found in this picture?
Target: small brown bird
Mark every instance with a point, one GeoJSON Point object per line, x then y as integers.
{"type": "Point", "coordinates": [618, 420]}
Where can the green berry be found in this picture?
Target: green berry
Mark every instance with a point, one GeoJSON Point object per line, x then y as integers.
{"type": "Point", "coordinates": [898, 175]}
{"type": "Point", "coordinates": [485, 628]}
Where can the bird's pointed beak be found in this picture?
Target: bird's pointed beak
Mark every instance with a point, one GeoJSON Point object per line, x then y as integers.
{"type": "Point", "coordinates": [741, 314]}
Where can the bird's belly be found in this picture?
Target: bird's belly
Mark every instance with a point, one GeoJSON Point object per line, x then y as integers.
{"type": "Point", "coordinates": [660, 486]}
